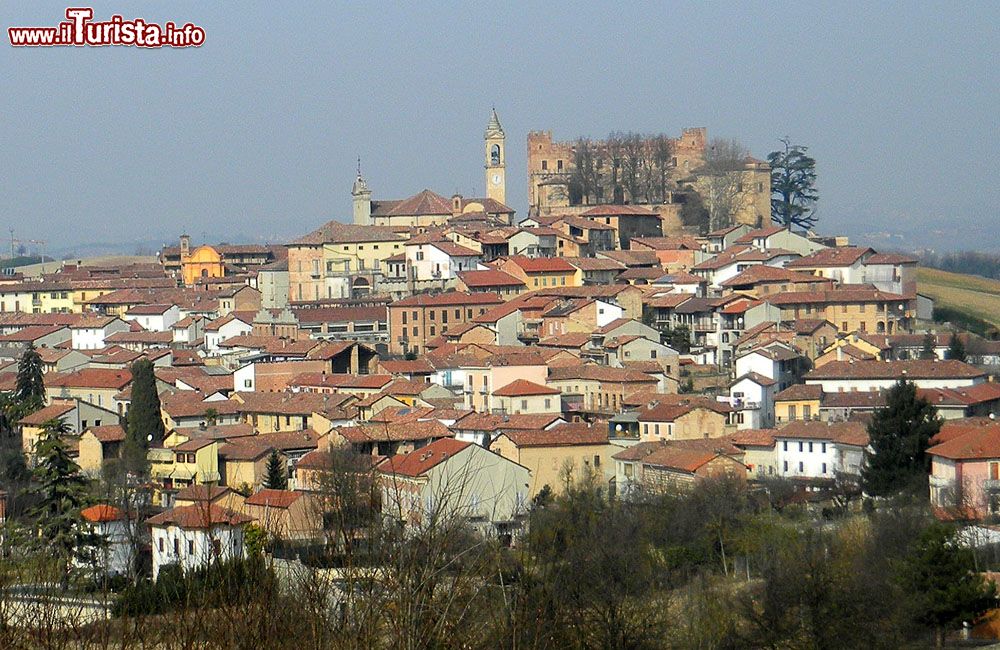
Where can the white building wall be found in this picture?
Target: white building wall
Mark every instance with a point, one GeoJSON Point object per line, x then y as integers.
{"type": "Point", "coordinates": [194, 548]}
{"type": "Point", "coordinates": [800, 457]}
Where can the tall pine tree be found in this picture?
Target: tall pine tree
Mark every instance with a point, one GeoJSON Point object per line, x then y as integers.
{"type": "Point", "coordinates": [898, 437]}
{"type": "Point", "coordinates": [944, 587]}
{"type": "Point", "coordinates": [62, 493]}
{"type": "Point", "coordinates": [276, 476]}
{"type": "Point", "coordinates": [145, 423]}
{"type": "Point", "coordinates": [29, 391]}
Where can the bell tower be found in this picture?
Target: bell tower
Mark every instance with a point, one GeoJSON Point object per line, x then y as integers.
{"type": "Point", "coordinates": [496, 160]}
{"type": "Point", "coordinates": [361, 199]}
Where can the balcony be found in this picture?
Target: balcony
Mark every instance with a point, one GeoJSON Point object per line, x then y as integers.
{"type": "Point", "coordinates": [940, 482]}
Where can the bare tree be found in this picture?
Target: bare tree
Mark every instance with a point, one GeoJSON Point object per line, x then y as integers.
{"type": "Point", "coordinates": [720, 181]}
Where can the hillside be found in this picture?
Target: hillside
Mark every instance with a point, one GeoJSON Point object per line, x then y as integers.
{"type": "Point", "coordinates": [969, 299]}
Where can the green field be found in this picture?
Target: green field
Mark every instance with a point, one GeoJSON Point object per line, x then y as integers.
{"type": "Point", "coordinates": [957, 296]}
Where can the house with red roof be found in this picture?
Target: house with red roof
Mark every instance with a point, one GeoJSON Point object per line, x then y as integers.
{"type": "Point", "coordinates": [286, 514]}
{"type": "Point", "coordinates": [117, 553]}
{"type": "Point", "coordinates": [523, 396]}
{"type": "Point", "coordinates": [432, 259]}
{"type": "Point", "coordinates": [421, 317]}
{"type": "Point", "coordinates": [195, 536]}
{"type": "Point", "coordinates": [573, 451]}
{"type": "Point", "coordinates": [451, 479]}
{"type": "Point", "coordinates": [658, 466]}
{"type": "Point", "coordinates": [965, 468]}
{"type": "Point", "coordinates": [490, 281]}
{"type": "Point", "coordinates": [540, 272]}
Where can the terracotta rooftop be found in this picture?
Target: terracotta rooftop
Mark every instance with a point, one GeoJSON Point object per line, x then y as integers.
{"type": "Point", "coordinates": [419, 462]}
{"type": "Point", "coordinates": [562, 435]}
{"type": "Point", "coordinates": [618, 210]}
{"type": "Point", "coordinates": [89, 378]}
{"type": "Point", "coordinates": [969, 441]}
{"type": "Point", "coordinates": [489, 278]}
{"type": "Point", "coordinates": [910, 369]}
{"type": "Point", "coordinates": [524, 388]}
{"type": "Point", "coordinates": [831, 257]}
{"type": "Point", "coordinates": [274, 498]}
{"type": "Point", "coordinates": [102, 513]}
{"type": "Point", "coordinates": [850, 433]}
{"type": "Point", "coordinates": [198, 516]}
{"type": "Point", "coordinates": [450, 298]}
{"type": "Point", "coordinates": [336, 232]}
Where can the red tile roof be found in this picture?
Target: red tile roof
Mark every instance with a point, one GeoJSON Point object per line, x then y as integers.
{"type": "Point", "coordinates": [618, 210]}
{"type": "Point", "coordinates": [101, 513]}
{"type": "Point", "coordinates": [542, 264]}
{"type": "Point", "coordinates": [969, 441]}
{"type": "Point", "coordinates": [54, 411]}
{"type": "Point", "coordinates": [447, 299]}
{"type": "Point", "coordinates": [561, 435]}
{"type": "Point", "coordinates": [274, 498]}
{"type": "Point", "coordinates": [831, 257]}
{"type": "Point", "coordinates": [425, 202]}
{"type": "Point", "coordinates": [419, 462]}
{"type": "Point", "coordinates": [198, 516]}
{"type": "Point", "coordinates": [89, 378]}
{"type": "Point", "coordinates": [850, 433]}
{"type": "Point", "coordinates": [108, 432]}
{"type": "Point", "coordinates": [489, 278]}
{"type": "Point", "coordinates": [911, 369]}
{"type": "Point", "coordinates": [524, 388]}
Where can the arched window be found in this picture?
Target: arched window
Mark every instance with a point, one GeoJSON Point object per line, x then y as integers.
{"type": "Point", "coordinates": [495, 154]}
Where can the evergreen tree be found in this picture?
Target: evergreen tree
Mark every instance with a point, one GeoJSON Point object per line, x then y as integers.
{"type": "Point", "coordinates": [942, 583]}
{"type": "Point", "coordinates": [29, 391]}
{"type": "Point", "coordinates": [145, 424]}
{"type": "Point", "coordinates": [793, 186]}
{"type": "Point", "coordinates": [927, 352]}
{"type": "Point", "coordinates": [276, 476]}
{"type": "Point", "coordinates": [62, 493]}
{"type": "Point", "coordinates": [898, 437]}
{"type": "Point", "coordinates": [956, 349]}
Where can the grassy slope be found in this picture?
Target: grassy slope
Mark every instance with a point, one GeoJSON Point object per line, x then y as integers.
{"type": "Point", "coordinates": [977, 297]}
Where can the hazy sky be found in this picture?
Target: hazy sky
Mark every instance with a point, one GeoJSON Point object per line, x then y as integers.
{"type": "Point", "coordinates": [255, 135]}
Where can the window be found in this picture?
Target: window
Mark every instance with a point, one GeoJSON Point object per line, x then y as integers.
{"type": "Point", "coordinates": [548, 403]}
{"type": "Point", "coordinates": [545, 165]}
{"type": "Point", "coordinates": [247, 383]}
{"type": "Point", "coordinates": [597, 461]}
{"type": "Point", "coordinates": [404, 318]}
{"type": "Point", "coordinates": [810, 447]}
{"type": "Point", "coordinates": [432, 314]}
{"type": "Point", "coordinates": [433, 330]}
{"type": "Point", "coordinates": [823, 447]}
{"type": "Point", "coordinates": [217, 547]}
{"type": "Point", "coordinates": [420, 255]}
{"type": "Point", "coordinates": [802, 466]}
{"type": "Point", "coordinates": [807, 414]}
{"type": "Point", "coordinates": [416, 331]}
{"type": "Point", "coordinates": [444, 315]}
{"type": "Point", "coordinates": [414, 314]}
{"type": "Point", "coordinates": [161, 545]}
{"type": "Point", "coordinates": [786, 465]}
{"type": "Point", "coordinates": [791, 413]}
{"type": "Point", "coordinates": [559, 165]}
{"type": "Point", "coordinates": [784, 446]}
{"type": "Point", "coordinates": [190, 547]}
{"type": "Point", "coordinates": [652, 354]}
{"type": "Point", "coordinates": [177, 546]}
{"type": "Point", "coordinates": [524, 405]}
{"type": "Point", "coordinates": [800, 446]}
{"type": "Point", "coordinates": [823, 471]}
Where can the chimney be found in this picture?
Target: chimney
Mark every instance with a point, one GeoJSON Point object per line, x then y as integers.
{"type": "Point", "coordinates": [840, 353]}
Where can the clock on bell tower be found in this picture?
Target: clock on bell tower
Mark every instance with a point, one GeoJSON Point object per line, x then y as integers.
{"type": "Point", "coordinates": [496, 160]}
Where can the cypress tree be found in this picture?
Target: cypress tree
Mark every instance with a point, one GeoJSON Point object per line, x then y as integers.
{"type": "Point", "coordinates": [62, 492]}
{"type": "Point", "coordinates": [29, 391]}
{"type": "Point", "coordinates": [276, 477]}
{"type": "Point", "coordinates": [927, 352]}
{"type": "Point", "coordinates": [956, 349]}
{"type": "Point", "coordinates": [898, 437]}
{"type": "Point", "coordinates": [145, 424]}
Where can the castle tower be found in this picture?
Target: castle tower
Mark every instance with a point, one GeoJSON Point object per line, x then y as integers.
{"type": "Point", "coordinates": [496, 160]}
{"type": "Point", "coordinates": [362, 199]}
